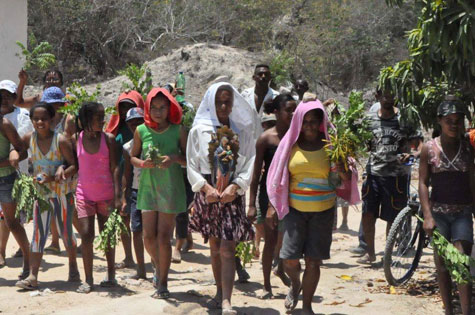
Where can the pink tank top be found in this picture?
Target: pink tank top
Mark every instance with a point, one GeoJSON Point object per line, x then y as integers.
{"type": "Point", "coordinates": [95, 181]}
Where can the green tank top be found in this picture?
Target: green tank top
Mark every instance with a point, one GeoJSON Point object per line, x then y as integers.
{"type": "Point", "coordinates": [5, 154]}
{"type": "Point", "coordinates": [161, 189]}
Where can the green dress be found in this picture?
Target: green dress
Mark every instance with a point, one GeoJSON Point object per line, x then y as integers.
{"type": "Point", "coordinates": [161, 189]}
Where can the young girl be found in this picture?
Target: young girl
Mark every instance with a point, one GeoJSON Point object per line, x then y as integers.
{"type": "Point", "coordinates": [447, 165]}
{"type": "Point", "coordinates": [49, 151]}
{"type": "Point", "coordinates": [9, 161]}
{"type": "Point", "coordinates": [118, 127]}
{"type": "Point", "coordinates": [301, 190]}
{"type": "Point", "coordinates": [97, 188]}
{"type": "Point", "coordinates": [283, 106]}
{"type": "Point", "coordinates": [161, 192]}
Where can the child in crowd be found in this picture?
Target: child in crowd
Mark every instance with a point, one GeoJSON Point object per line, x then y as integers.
{"type": "Point", "coordinates": [130, 186]}
{"type": "Point", "coordinates": [161, 194]}
{"type": "Point", "coordinates": [283, 107]}
{"type": "Point", "coordinates": [447, 165]}
{"type": "Point", "coordinates": [49, 151]}
{"type": "Point", "coordinates": [97, 187]}
{"type": "Point", "coordinates": [20, 119]}
{"type": "Point", "coordinates": [51, 78]}
{"type": "Point", "coordinates": [119, 128]}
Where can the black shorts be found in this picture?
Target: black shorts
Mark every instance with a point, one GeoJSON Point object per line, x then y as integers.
{"type": "Point", "coordinates": [307, 234]}
{"type": "Point", "coordinates": [385, 196]}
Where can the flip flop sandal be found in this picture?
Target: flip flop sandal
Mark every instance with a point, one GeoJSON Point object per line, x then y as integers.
{"type": "Point", "coordinates": [26, 285]}
{"type": "Point", "coordinates": [74, 277]}
{"type": "Point", "coordinates": [136, 276]}
{"type": "Point", "coordinates": [365, 260]}
{"type": "Point", "coordinates": [291, 301]}
{"type": "Point", "coordinates": [84, 288]}
{"type": "Point", "coordinates": [214, 304]}
{"type": "Point", "coordinates": [228, 311]}
{"type": "Point", "coordinates": [108, 283]}
{"type": "Point", "coordinates": [24, 274]}
{"type": "Point", "coordinates": [266, 295]}
{"type": "Point", "coordinates": [161, 294]}
{"type": "Point", "coordinates": [52, 249]}
{"type": "Point", "coordinates": [176, 260]}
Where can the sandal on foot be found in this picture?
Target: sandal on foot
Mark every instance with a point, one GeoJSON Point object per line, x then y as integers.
{"type": "Point", "coordinates": [26, 285]}
{"type": "Point", "coordinates": [228, 311]}
{"type": "Point", "coordinates": [108, 283]}
{"type": "Point", "coordinates": [366, 260]}
{"type": "Point", "coordinates": [176, 260]}
{"type": "Point", "coordinates": [24, 274]}
{"type": "Point", "coordinates": [123, 265]}
{"type": "Point", "coordinates": [53, 249]}
{"type": "Point", "coordinates": [74, 276]}
{"type": "Point", "coordinates": [291, 299]}
{"type": "Point", "coordinates": [136, 276]}
{"type": "Point", "coordinates": [84, 288]}
{"type": "Point", "coordinates": [265, 295]}
{"type": "Point", "coordinates": [161, 294]}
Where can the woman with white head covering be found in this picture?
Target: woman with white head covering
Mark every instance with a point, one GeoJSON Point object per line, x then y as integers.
{"type": "Point", "coordinates": [219, 212]}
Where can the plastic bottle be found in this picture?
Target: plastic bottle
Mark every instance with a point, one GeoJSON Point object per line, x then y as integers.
{"type": "Point", "coordinates": [180, 84]}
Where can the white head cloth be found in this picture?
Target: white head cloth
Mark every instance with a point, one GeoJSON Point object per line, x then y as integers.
{"type": "Point", "coordinates": [242, 115]}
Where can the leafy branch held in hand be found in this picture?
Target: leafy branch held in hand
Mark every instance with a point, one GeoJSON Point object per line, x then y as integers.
{"type": "Point", "coordinates": [110, 235]}
{"type": "Point", "coordinates": [25, 192]}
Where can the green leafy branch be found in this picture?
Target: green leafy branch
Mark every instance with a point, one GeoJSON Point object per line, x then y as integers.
{"type": "Point", "coordinates": [110, 235]}
{"type": "Point", "coordinates": [25, 192]}
{"type": "Point", "coordinates": [281, 66]}
{"type": "Point", "coordinates": [140, 79]}
{"type": "Point", "coordinates": [351, 131]}
{"type": "Point", "coordinates": [457, 263]}
{"type": "Point", "coordinates": [245, 250]}
{"type": "Point", "coordinates": [77, 96]}
{"type": "Point", "coordinates": [188, 117]}
{"type": "Point", "coordinates": [153, 153]}
{"type": "Point", "coordinates": [40, 56]}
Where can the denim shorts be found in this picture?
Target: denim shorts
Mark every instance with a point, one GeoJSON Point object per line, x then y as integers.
{"type": "Point", "coordinates": [6, 187]}
{"type": "Point", "coordinates": [135, 214]}
{"type": "Point", "coordinates": [455, 226]}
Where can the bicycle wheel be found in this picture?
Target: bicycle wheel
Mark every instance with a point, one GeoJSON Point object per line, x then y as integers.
{"type": "Point", "coordinates": [403, 247]}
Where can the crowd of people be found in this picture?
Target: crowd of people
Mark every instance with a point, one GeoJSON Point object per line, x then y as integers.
{"type": "Point", "coordinates": [163, 176]}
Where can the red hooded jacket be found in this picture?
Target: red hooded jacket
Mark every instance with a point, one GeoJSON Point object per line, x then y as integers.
{"type": "Point", "coordinates": [136, 97]}
{"type": "Point", "coordinates": [174, 112]}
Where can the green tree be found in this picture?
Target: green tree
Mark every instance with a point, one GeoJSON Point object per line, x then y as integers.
{"type": "Point", "coordinates": [441, 59]}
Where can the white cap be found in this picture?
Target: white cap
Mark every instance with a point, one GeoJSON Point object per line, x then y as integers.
{"type": "Point", "coordinates": [8, 85]}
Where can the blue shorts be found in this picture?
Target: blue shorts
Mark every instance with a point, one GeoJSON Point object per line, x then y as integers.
{"type": "Point", "coordinates": [455, 226]}
{"type": "Point", "coordinates": [135, 214]}
{"type": "Point", "coordinates": [6, 187]}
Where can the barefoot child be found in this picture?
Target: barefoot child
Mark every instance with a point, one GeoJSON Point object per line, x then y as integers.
{"type": "Point", "coordinates": [96, 188]}
{"type": "Point", "coordinates": [49, 151]}
{"type": "Point", "coordinates": [130, 186]}
{"type": "Point", "coordinates": [283, 106]}
{"type": "Point", "coordinates": [447, 165]}
{"type": "Point", "coordinates": [161, 193]}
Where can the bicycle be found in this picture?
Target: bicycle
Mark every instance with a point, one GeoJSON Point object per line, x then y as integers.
{"type": "Point", "coordinates": [405, 243]}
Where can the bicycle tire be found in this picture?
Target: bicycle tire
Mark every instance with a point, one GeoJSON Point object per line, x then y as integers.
{"type": "Point", "coordinates": [417, 236]}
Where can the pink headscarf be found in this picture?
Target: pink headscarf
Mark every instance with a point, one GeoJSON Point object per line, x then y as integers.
{"type": "Point", "coordinates": [278, 176]}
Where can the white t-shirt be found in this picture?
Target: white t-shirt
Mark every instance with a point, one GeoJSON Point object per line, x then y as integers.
{"type": "Point", "coordinates": [20, 118]}
{"type": "Point", "coordinates": [135, 182]}
{"type": "Point", "coordinates": [248, 95]}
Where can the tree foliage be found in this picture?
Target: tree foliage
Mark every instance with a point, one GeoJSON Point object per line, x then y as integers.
{"type": "Point", "coordinates": [140, 79]}
{"type": "Point", "coordinates": [342, 43]}
{"type": "Point", "coordinates": [36, 55]}
{"type": "Point", "coordinates": [441, 59]}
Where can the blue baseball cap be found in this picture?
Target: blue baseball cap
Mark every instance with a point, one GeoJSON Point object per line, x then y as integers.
{"type": "Point", "coordinates": [53, 95]}
{"type": "Point", "coordinates": [134, 113]}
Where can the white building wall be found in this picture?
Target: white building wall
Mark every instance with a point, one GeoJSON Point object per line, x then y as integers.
{"type": "Point", "coordinates": [13, 27]}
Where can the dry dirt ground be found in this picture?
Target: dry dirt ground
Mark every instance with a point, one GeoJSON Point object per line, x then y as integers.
{"type": "Point", "coordinates": [345, 286]}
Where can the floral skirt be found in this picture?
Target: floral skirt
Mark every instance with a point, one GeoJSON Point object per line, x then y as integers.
{"type": "Point", "coordinates": [223, 221]}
